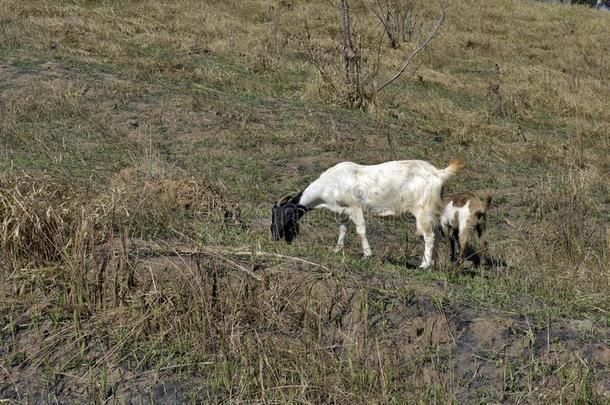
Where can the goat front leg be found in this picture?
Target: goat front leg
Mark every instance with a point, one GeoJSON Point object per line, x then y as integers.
{"type": "Point", "coordinates": [358, 220]}
{"type": "Point", "coordinates": [463, 242]}
{"type": "Point", "coordinates": [483, 248]}
{"type": "Point", "coordinates": [342, 233]}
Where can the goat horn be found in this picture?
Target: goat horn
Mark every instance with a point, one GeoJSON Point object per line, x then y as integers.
{"type": "Point", "coordinates": [285, 199]}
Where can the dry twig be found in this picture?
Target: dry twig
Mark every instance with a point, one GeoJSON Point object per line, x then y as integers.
{"type": "Point", "coordinates": [423, 45]}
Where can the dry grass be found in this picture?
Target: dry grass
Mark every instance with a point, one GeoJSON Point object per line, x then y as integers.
{"type": "Point", "coordinates": [109, 314]}
{"type": "Point", "coordinates": [153, 198]}
{"type": "Point", "coordinates": [143, 141]}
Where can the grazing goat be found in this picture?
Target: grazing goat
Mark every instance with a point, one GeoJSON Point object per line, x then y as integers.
{"type": "Point", "coordinates": [387, 189]}
{"type": "Point", "coordinates": [463, 214]}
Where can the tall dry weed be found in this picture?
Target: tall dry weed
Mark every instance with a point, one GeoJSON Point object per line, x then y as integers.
{"type": "Point", "coordinates": [570, 230]}
{"type": "Point", "coordinates": [39, 218]}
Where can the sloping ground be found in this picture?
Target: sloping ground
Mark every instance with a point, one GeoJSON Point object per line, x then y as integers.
{"type": "Point", "coordinates": [295, 331]}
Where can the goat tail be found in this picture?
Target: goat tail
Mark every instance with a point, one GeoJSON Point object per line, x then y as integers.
{"type": "Point", "coordinates": [455, 166]}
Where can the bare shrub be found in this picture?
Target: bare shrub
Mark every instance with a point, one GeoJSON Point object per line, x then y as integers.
{"type": "Point", "coordinates": [358, 77]}
{"type": "Point", "coordinates": [269, 51]}
{"type": "Point", "coordinates": [347, 76]}
{"type": "Point", "coordinates": [505, 104]}
{"type": "Point", "coordinates": [400, 22]}
{"type": "Point", "coordinates": [355, 83]}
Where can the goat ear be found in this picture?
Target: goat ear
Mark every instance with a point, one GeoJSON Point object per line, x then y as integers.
{"type": "Point", "coordinates": [285, 199]}
{"type": "Point", "coordinates": [488, 200]}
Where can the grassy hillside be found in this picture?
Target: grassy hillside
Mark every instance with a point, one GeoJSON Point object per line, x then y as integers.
{"type": "Point", "coordinates": [142, 144]}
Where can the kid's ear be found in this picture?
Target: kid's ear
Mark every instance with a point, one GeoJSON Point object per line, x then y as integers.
{"type": "Point", "coordinates": [488, 200]}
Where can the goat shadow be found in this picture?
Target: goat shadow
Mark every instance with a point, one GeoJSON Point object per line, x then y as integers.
{"type": "Point", "coordinates": [402, 262]}
{"type": "Point", "coordinates": [479, 262]}
{"type": "Point", "coordinates": [488, 261]}
{"type": "Point", "coordinates": [472, 255]}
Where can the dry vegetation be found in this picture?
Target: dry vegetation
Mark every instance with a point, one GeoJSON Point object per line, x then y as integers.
{"type": "Point", "coordinates": [141, 144]}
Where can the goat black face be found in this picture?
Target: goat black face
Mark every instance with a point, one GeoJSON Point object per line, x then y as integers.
{"type": "Point", "coordinates": [291, 227]}
{"type": "Point", "coordinates": [285, 221]}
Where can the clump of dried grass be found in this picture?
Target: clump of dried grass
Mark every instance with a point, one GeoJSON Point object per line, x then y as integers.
{"type": "Point", "coordinates": [39, 99]}
{"type": "Point", "coordinates": [40, 219]}
{"type": "Point", "coordinates": [43, 220]}
{"type": "Point", "coordinates": [154, 197]}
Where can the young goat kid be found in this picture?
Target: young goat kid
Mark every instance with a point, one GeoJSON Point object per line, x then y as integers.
{"type": "Point", "coordinates": [387, 189]}
{"type": "Point", "coordinates": [463, 214]}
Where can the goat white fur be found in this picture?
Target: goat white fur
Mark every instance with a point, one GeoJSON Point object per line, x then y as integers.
{"type": "Point", "coordinates": [387, 189]}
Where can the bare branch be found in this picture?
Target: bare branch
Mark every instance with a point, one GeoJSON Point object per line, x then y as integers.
{"type": "Point", "coordinates": [346, 25]}
{"type": "Point", "coordinates": [378, 59]}
{"type": "Point", "coordinates": [319, 64]}
{"type": "Point", "coordinates": [350, 48]}
{"type": "Point", "coordinates": [423, 45]}
{"type": "Point", "coordinates": [379, 10]}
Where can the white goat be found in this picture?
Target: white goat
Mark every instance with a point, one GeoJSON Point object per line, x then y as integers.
{"type": "Point", "coordinates": [387, 189]}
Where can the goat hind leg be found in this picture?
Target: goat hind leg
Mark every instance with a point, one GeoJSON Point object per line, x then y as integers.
{"type": "Point", "coordinates": [463, 243]}
{"type": "Point", "coordinates": [426, 225]}
{"type": "Point", "coordinates": [430, 249]}
{"type": "Point", "coordinates": [455, 245]}
{"type": "Point", "coordinates": [448, 234]}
